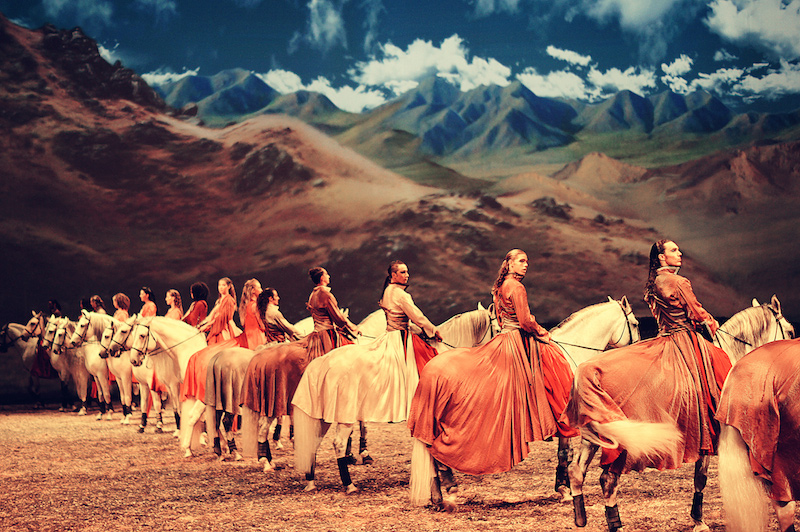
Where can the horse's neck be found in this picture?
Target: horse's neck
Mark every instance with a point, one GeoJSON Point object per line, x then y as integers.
{"type": "Point", "coordinates": [176, 341]}
{"type": "Point", "coordinates": [97, 326]}
{"type": "Point", "coordinates": [747, 330]}
{"type": "Point", "coordinates": [465, 329]}
{"type": "Point", "coordinates": [591, 327]}
{"type": "Point", "coordinates": [15, 332]}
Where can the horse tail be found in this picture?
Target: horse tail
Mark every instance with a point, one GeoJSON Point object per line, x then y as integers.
{"type": "Point", "coordinates": [422, 474]}
{"type": "Point", "coordinates": [743, 494]}
{"type": "Point", "coordinates": [639, 438]}
{"type": "Point", "coordinates": [249, 431]}
{"type": "Point", "coordinates": [308, 434]}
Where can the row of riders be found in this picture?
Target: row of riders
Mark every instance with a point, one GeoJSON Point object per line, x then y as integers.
{"type": "Point", "coordinates": [478, 389]}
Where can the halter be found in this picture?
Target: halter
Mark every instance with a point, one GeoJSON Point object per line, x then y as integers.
{"type": "Point", "coordinates": [159, 350]}
{"type": "Point", "coordinates": [7, 341]}
{"type": "Point", "coordinates": [775, 314]}
{"type": "Point", "coordinates": [616, 344]}
{"type": "Point", "coordinates": [82, 336]}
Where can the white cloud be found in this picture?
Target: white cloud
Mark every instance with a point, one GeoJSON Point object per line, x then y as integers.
{"type": "Point", "coordinates": [325, 27]}
{"type": "Point", "coordinates": [723, 55]}
{"type": "Point", "coordinates": [160, 77]}
{"type": "Point", "coordinates": [485, 8]}
{"type": "Point", "coordinates": [674, 74]}
{"type": "Point", "coordinates": [632, 14]}
{"type": "Point", "coordinates": [354, 100]}
{"type": "Point", "coordinates": [282, 81]}
{"type": "Point", "coordinates": [613, 80]}
{"type": "Point", "coordinates": [373, 10]}
{"type": "Point", "coordinates": [569, 56]}
{"type": "Point", "coordinates": [720, 81]}
{"type": "Point", "coordinates": [776, 84]}
{"type": "Point", "coordinates": [422, 59]}
{"type": "Point", "coordinates": [771, 25]}
{"type": "Point", "coordinates": [559, 84]}
{"type": "Point", "coordinates": [95, 11]}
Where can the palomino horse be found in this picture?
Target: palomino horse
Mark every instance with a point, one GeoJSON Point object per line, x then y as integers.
{"type": "Point", "coordinates": [754, 327]}
{"type": "Point", "coordinates": [24, 340]}
{"type": "Point", "coordinates": [90, 355]}
{"type": "Point", "coordinates": [372, 382]}
{"type": "Point", "coordinates": [759, 443]}
{"type": "Point", "coordinates": [169, 344]}
{"type": "Point", "coordinates": [582, 335]}
{"type": "Point", "coordinates": [68, 364]}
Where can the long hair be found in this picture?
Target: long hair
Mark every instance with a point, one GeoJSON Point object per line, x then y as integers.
{"type": "Point", "coordinates": [231, 289]}
{"type": "Point", "coordinates": [503, 271]}
{"type": "Point", "coordinates": [121, 301]}
{"type": "Point", "coordinates": [97, 302]}
{"type": "Point", "coordinates": [247, 292]}
{"type": "Point", "coordinates": [147, 290]}
{"type": "Point", "coordinates": [176, 298]}
{"type": "Point", "coordinates": [263, 301]}
{"type": "Point", "coordinates": [656, 250]}
{"type": "Point", "coordinates": [199, 291]}
{"type": "Point", "coordinates": [393, 267]}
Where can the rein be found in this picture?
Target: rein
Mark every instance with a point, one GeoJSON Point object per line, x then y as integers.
{"type": "Point", "coordinates": [159, 350]}
{"type": "Point", "coordinates": [775, 314]}
{"type": "Point", "coordinates": [628, 328]}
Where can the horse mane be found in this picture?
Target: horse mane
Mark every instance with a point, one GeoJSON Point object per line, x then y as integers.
{"type": "Point", "coordinates": [580, 312]}
{"type": "Point", "coordinates": [747, 325]}
{"type": "Point", "coordinates": [473, 321]}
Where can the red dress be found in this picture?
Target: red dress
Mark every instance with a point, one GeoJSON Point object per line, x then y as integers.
{"type": "Point", "coordinates": [675, 378]}
{"type": "Point", "coordinates": [762, 400]}
{"type": "Point", "coordinates": [253, 335]}
{"type": "Point", "coordinates": [197, 312]}
{"type": "Point", "coordinates": [478, 408]}
{"type": "Point", "coordinates": [273, 374]}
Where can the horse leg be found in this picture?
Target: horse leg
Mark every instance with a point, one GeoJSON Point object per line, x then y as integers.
{"type": "Point", "coordinates": [700, 479]}
{"type": "Point", "coordinates": [66, 398]}
{"type": "Point", "coordinates": [784, 511]}
{"type": "Point", "coordinates": [264, 453]}
{"type": "Point", "coordinates": [227, 425]}
{"type": "Point", "coordinates": [193, 413]}
{"type": "Point", "coordinates": [609, 483]}
{"type": "Point", "coordinates": [144, 400]}
{"type": "Point", "coordinates": [276, 436]}
{"type": "Point", "coordinates": [34, 390]}
{"type": "Point", "coordinates": [340, 445]}
{"type": "Point", "coordinates": [562, 477]}
{"type": "Point", "coordinates": [366, 459]}
{"type": "Point", "coordinates": [577, 474]}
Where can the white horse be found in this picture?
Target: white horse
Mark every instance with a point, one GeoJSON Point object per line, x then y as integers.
{"type": "Point", "coordinates": [68, 364]}
{"type": "Point", "coordinates": [746, 330]}
{"type": "Point", "coordinates": [89, 354]}
{"type": "Point", "coordinates": [169, 344]}
{"type": "Point", "coordinates": [24, 340]}
{"type": "Point", "coordinates": [581, 336]}
{"type": "Point", "coordinates": [357, 379]}
{"type": "Point", "coordinates": [759, 441]}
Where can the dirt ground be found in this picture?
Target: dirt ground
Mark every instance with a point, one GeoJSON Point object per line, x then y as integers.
{"type": "Point", "coordinates": [61, 472]}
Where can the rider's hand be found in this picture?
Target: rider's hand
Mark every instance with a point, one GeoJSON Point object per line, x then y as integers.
{"type": "Point", "coordinates": [437, 335]}
{"type": "Point", "coordinates": [544, 338]}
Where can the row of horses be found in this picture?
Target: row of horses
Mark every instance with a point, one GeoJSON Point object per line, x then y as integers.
{"type": "Point", "coordinates": [98, 343]}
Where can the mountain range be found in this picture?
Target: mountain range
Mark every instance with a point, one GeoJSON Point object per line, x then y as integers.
{"type": "Point", "coordinates": [107, 186]}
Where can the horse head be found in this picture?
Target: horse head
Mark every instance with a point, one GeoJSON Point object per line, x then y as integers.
{"type": "Point", "coordinates": [116, 338]}
{"type": "Point", "coordinates": [628, 330]}
{"type": "Point", "coordinates": [786, 328]}
{"type": "Point", "coordinates": [35, 325]}
{"type": "Point", "coordinates": [81, 329]}
{"type": "Point", "coordinates": [60, 341]}
{"type": "Point", "coordinates": [142, 342]}
{"type": "Point", "coordinates": [50, 331]}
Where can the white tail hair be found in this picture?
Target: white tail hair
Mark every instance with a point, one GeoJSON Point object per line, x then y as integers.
{"type": "Point", "coordinates": [308, 434]}
{"type": "Point", "coordinates": [743, 494]}
{"type": "Point", "coordinates": [641, 439]}
{"type": "Point", "coordinates": [422, 473]}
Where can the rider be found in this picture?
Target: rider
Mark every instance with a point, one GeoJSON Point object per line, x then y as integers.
{"type": "Point", "coordinates": [173, 301]}
{"type": "Point", "coordinates": [148, 306]}
{"type": "Point", "coordinates": [276, 327]}
{"type": "Point", "coordinates": [253, 334]}
{"type": "Point", "coordinates": [198, 310]}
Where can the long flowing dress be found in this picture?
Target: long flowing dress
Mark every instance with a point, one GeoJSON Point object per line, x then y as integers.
{"type": "Point", "coordinates": [675, 378]}
{"type": "Point", "coordinates": [220, 336]}
{"type": "Point", "coordinates": [197, 312]}
{"type": "Point", "coordinates": [372, 382]}
{"type": "Point", "coordinates": [478, 408]}
{"type": "Point", "coordinates": [253, 335]}
{"type": "Point", "coordinates": [274, 373]}
{"type": "Point", "coordinates": [761, 399]}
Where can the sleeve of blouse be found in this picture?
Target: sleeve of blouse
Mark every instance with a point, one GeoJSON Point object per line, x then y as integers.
{"type": "Point", "coordinates": [332, 306]}
{"type": "Point", "coordinates": [284, 325]}
{"type": "Point", "coordinates": [526, 320]}
{"type": "Point", "coordinates": [689, 301]}
{"type": "Point", "coordinates": [415, 314]}
{"type": "Point", "coordinates": [189, 313]}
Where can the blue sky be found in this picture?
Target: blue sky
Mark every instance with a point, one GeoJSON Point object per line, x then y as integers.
{"type": "Point", "coordinates": [361, 53]}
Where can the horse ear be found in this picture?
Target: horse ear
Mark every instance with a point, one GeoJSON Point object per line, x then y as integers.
{"type": "Point", "coordinates": [776, 304]}
{"type": "Point", "coordinates": [610, 298]}
{"type": "Point", "coordinates": [755, 303]}
{"type": "Point", "coordinates": [624, 301]}
{"type": "Point", "coordinates": [480, 306]}
{"type": "Point", "coordinates": [84, 312]}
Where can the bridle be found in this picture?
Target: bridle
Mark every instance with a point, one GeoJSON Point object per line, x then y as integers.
{"type": "Point", "coordinates": [628, 328]}
{"type": "Point", "coordinates": [776, 314]}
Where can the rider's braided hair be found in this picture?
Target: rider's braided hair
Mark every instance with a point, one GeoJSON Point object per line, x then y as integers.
{"type": "Point", "coordinates": [503, 271]}
{"type": "Point", "coordinates": [655, 264]}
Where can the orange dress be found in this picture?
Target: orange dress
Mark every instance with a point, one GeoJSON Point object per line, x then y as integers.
{"type": "Point", "coordinates": [174, 313]}
{"type": "Point", "coordinates": [675, 378]}
{"type": "Point", "coordinates": [478, 408]}
{"type": "Point", "coordinates": [274, 373]}
{"type": "Point", "coordinates": [253, 335]}
{"type": "Point", "coordinates": [220, 336]}
{"type": "Point", "coordinates": [197, 312]}
{"type": "Point", "coordinates": [762, 400]}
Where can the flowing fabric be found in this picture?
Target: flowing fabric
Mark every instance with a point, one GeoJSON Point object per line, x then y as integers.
{"type": "Point", "coordinates": [253, 335]}
{"type": "Point", "coordinates": [762, 400]}
{"type": "Point", "coordinates": [42, 367]}
{"type": "Point", "coordinates": [478, 408]}
{"type": "Point", "coordinates": [674, 378]}
{"type": "Point", "coordinates": [224, 378]}
{"type": "Point", "coordinates": [274, 373]}
{"type": "Point", "coordinates": [373, 382]}
{"type": "Point", "coordinates": [221, 328]}
{"type": "Point", "coordinates": [197, 312]}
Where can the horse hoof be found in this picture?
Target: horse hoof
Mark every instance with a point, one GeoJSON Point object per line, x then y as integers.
{"type": "Point", "coordinates": [99, 417]}
{"type": "Point", "coordinates": [187, 453]}
{"type": "Point", "coordinates": [566, 493]}
{"type": "Point", "coordinates": [126, 420]}
{"type": "Point", "coordinates": [279, 445]}
{"type": "Point", "coordinates": [204, 439]}
{"type": "Point", "coordinates": [310, 486]}
{"type": "Point", "coordinates": [62, 409]}
{"type": "Point", "coordinates": [140, 430]}
{"type": "Point", "coordinates": [350, 489]}
{"type": "Point", "coordinates": [700, 527]}
{"type": "Point", "coordinates": [177, 433]}
{"type": "Point", "coordinates": [367, 460]}
{"type": "Point", "coordinates": [159, 430]}
{"type": "Point", "coordinates": [237, 457]}
{"type": "Point", "coordinates": [269, 467]}
{"type": "Point", "coordinates": [82, 412]}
